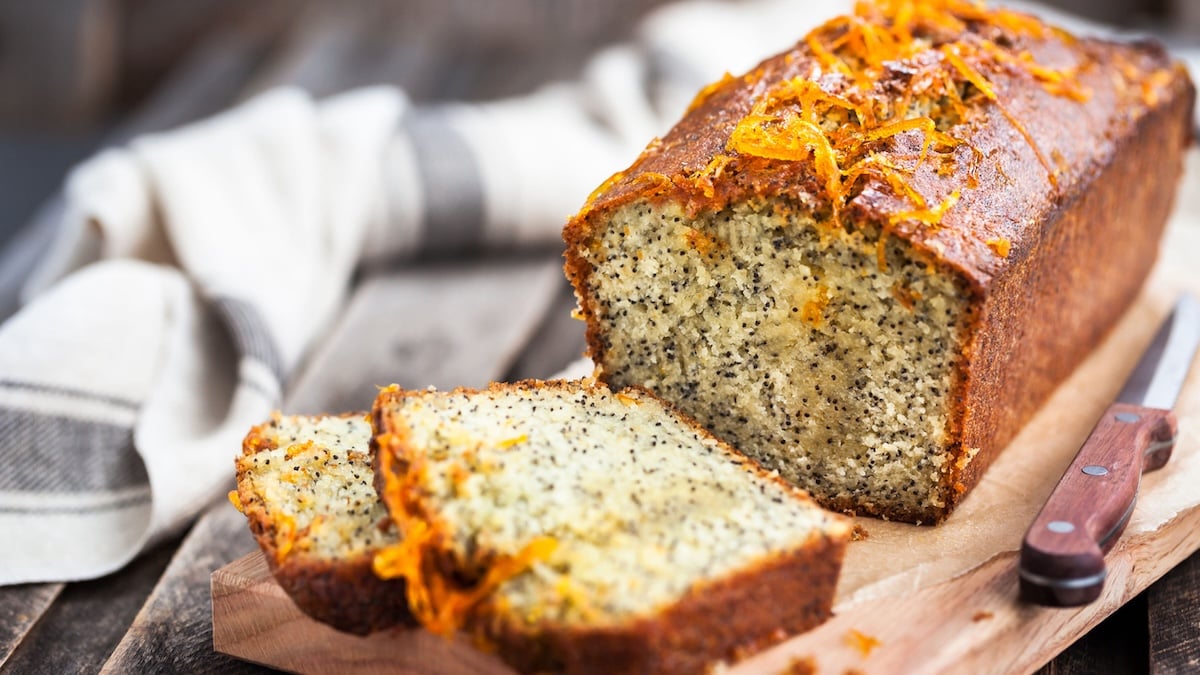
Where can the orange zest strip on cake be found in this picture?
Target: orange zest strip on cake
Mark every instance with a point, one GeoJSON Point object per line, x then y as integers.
{"type": "Point", "coordinates": [835, 127]}
{"type": "Point", "coordinates": [439, 602]}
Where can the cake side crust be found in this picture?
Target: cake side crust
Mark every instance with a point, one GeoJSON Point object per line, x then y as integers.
{"type": "Point", "coordinates": [696, 632]}
{"type": "Point", "coordinates": [1042, 318]}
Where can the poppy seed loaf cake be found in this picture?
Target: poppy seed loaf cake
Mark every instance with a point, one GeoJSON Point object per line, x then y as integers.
{"type": "Point", "coordinates": [867, 262]}
{"type": "Point", "coordinates": [306, 486]}
{"type": "Point", "coordinates": [575, 529]}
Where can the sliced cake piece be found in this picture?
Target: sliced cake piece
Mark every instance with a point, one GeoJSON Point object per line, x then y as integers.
{"type": "Point", "coordinates": [305, 485]}
{"type": "Point", "coordinates": [576, 529]}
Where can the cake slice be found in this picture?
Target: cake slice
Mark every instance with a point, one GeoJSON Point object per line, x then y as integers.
{"type": "Point", "coordinates": [867, 262]}
{"type": "Point", "coordinates": [306, 487]}
{"type": "Point", "coordinates": [576, 529]}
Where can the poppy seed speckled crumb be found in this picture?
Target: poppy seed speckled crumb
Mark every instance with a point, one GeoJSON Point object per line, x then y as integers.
{"type": "Point", "coordinates": [610, 513]}
{"type": "Point", "coordinates": [306, 486]}
{"type": "Point", "coordinates": [775, 339]}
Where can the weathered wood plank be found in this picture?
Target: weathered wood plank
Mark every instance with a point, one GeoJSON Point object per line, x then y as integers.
{"type": "Point", "coordinates": [87, 619]}
{"type": "Point", "coordinates": [20, 608]}
{"type": "Point", "coordinates": [60, 62]}
{"type": "Point", "coordinates": [1174, 622]}
{"type": "Point", "coordinates": [157, 36]}
{"type": "Point", "coordinates": [172, 633]}
{"type": "Point", "coordinates": [442, 325]}
{"type": "Point", "coordinates": [557, 342]}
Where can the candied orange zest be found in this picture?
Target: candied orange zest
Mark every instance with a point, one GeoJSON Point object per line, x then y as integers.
{"type": "Point", "coordinates": [826, 57]}
{"type": "Point", "coordinates": [792, 139]}
{"type": "Point", "coordinates": [796, 120]}
{"type": "Point", "coordinates": [1153, 86]}
{"type": "Point", "coordinates": [1058, 82]}
{"type": "Point", "coordinates": [865, 644]}
{"type": "Point", "coordinates": [813, 312]}
{"type": "Point", "coordinates": [704, 178]}
{"type": "Point", "coordinates": [297, 448]}
{"type": "Point", "coordinates": [510, 442]}
{"type": "Point", "coordinates": [707, 92]}
{"type": "Point", "coordinates": [657, 179]}
{"type": "Point", "coordinates": [700, 242]}
{"type": "Point", "coordinates": [922, 124]}
{"type": "Point", "coordinates": [881, 250]}
{"type": "Point", "coordinates": [894, 175]}
{"type": "Point", "coordinates": [931, 216]}
{"type": "Point", "coordinates": [438, 601]}
{"type": "Point", "coordinates": [603, 187]}
{"type": "Point", "coordinates": [953, 56]}
{"type": "Point", "coordinates": [1051, 172]}
{"type": "Point", "coordinates": [906, 296]}
{"type": "Point", "coordinates": [285, 536]}
{"type": "Point", "coordinates": [626, 399]}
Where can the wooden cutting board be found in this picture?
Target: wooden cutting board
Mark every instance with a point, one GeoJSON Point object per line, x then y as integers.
{"type": "Point", "coordinates": [911, 599]}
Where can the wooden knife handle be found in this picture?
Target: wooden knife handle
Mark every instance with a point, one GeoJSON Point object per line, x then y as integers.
{"type": "Point", "coordinates": [1062, 556]}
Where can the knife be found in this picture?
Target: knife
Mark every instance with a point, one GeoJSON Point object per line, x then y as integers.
{"type": "Point", "coordinates": [1062, 555]}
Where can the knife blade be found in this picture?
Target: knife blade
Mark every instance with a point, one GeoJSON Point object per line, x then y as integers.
{"type": "Point", "coordinates": [1062, 554]}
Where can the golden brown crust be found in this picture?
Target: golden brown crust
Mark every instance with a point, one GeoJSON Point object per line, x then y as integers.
{"type": "Point", "coordinates": [342, 592]}
{"type": "Point", "coordinates": [1049, 263]}
{"type": "Point", "coordinates": [1040, 320]}
{"type": "Point", "coordinates": [781, 596]}
{"type": "Point", "coordinates": [1011, 188]}
{"type": "Point", "coordinates": [722, 621]}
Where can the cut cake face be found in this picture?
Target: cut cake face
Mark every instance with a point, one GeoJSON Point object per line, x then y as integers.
{"type": "Point", "coordinates": [306, 486]}
{"type": "Point", "coordinates": [549, 514]}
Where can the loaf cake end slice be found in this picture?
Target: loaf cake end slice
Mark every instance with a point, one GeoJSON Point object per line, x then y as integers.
{"type": "Point", "coordinates": [305, 484]}
{"type": "Point", "coordinates": [577, 529]}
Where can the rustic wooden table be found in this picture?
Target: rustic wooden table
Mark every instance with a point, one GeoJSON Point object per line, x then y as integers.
{"type": "Point", "coordinates": [465, 322]}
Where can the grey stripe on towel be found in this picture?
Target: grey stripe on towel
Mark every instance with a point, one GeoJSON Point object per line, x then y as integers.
{"type": "Point", "coordinates": [251, 336]}
{"type": "Point", "coordinates": [101, 503]}
{"type": "Point", "coordinates": [453, 187]}
{"type": "Point", "coordinates": [41, 452]}
{"type": "Point", "coordinates": [68, 392]}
